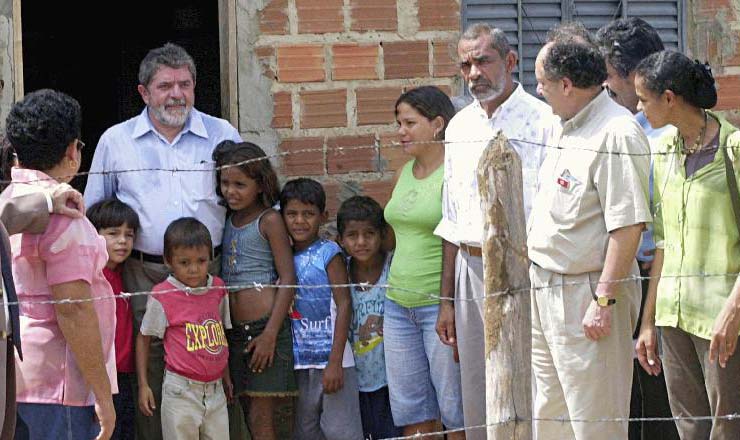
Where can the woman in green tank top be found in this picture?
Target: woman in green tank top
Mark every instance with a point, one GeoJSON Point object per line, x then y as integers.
{"type": "Point", "coordinates": [423, 377]}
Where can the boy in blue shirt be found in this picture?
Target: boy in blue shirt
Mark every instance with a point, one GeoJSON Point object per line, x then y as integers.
{"type": "Point", "coordinates": [328, 403]}
{"type": "Point", "coordinates": [361, 229]}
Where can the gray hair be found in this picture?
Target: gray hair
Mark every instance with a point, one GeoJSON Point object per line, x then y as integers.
{"type": "Point", "coordinates": [499, 43]}
{"type": "Point", "coordinates": [170, 55]}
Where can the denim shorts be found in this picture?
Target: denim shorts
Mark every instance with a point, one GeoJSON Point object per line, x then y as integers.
{"type": "Point", "coordinates": [41, 421]}
{"type": "Point", "coordinates": [423, 377]}
{"type": "Point", "coordinates": [275, 381]}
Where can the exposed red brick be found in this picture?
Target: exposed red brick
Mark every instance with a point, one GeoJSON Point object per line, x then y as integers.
{"type": "Point", "coordinates": [392, 156]}
{"type": "Point", "coordinates": [333, 190]}
{"type": "Point", "coordinates": [303, 63]}
{"type": "Point", "coordinates": [353, 160]}
{"type": "Point", "coordinates": [354, 61]}
{"type": "Point", "coordinates": [319, 16]}
{"type": "Point", "coordinates": [324, 109]}
{"type": "Point", "coordinates": [445, 88]}
{"type": "Point", "coordinates": [302, 164]}
{"type": "Point", "coordinates": [444, 56]}
{"type": "Point", "coordinates": [375, 105]}
{"type": "Point", "coordinates": [380, 190]}
{"type": "Point", "coordinates": [274, 18]}
{"type": "Point", "coordinates": [266, 57]}
{"type": "Point", "coordinates": [264, 51]}
{"type": "Point", "coordinates": [713, 6]}
{"type": "Point", "coordinates": [282, 115]}
{"type": "Point", "coordinates": [728, 91]}
{"type": "Point", "coordinates": [439, 15]}
{"type": "Point", "coordinates": [375, 15]}
{"type": "Point", "coordinates": [406, 59]}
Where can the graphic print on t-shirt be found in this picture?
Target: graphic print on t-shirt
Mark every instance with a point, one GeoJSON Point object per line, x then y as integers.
{"type": "Point", "coordinates": [312, 317]}
{"type": "Point", "coordinates": [208, 335]}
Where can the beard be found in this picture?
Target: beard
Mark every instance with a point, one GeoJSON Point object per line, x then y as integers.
{"type": "Point", "coordinates": [487, 90]}
{"type": "Point", "coordinates": [171, 117]}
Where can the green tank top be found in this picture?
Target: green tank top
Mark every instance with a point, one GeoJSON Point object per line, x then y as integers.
{"type": "Point", "coordinates": [414, 211]}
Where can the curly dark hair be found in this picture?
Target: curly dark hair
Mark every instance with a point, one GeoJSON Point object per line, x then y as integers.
{"type": "Point", "coordinates": [41, 126]}
{"type": "Point", "coordinates": [674, 71]}
{"type": "Point", "coordinates": [360, 208]}
{"type": "Point", "coordinates": [430, 102]}
{"type": "Point", "coordinates": [229, 152]}
{"type": "Point", "coordinates": [582, 63]}
{"type": "Point", "coordinates": [626, 42]}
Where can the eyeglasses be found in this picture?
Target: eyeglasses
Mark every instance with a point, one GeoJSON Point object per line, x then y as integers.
{"type": "Point", "coordinates": [80, 145]}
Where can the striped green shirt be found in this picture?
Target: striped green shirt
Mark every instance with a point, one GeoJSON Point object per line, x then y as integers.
{"type": "Point", "coordinates": [695, 226]}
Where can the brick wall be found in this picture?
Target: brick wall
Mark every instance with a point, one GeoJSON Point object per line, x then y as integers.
{"type": "Point", "coordinates": [326, 73]}
{"type": "Point", "coordinates": [714, 35]}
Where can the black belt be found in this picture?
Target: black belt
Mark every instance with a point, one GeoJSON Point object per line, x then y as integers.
{"type": "Point", "coordinates": [159, 259]}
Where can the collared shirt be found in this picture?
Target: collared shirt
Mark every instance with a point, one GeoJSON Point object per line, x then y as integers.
{"type": "Point", "coordinates": [653, 134]}
{"type": "Point", "coordinates": [696, 228]}
{"type": "Point", "coordinates": [69, 250]}
{"type": "Point", "coordinates": [160, 197]}
{"type": "Point", "coordinates": [526, 121]}
{"type": "Point", "coordinates": [588, 189]}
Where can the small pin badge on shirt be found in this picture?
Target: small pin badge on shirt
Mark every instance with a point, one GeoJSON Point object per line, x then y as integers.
{"type": "Point", "coordinates": [566, 179]}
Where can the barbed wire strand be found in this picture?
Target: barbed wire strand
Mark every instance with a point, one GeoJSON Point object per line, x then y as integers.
{"type": "Point", "coordinates": [728, 417]}
{"type": "Point", "coordinates": [342, 150]}
{"type": "Point", "coordinates": [364, 285]}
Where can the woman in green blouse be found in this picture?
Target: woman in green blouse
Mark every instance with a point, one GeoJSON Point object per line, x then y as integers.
{"type": "Point", "coordinates": [694, 291]}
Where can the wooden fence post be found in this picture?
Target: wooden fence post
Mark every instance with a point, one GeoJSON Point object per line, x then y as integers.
{"type": "Point", "coordinates": [507, 320]}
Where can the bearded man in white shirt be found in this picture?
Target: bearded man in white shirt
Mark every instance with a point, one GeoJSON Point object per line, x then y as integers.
{"type": "Point", "coordinates": [486, 62]}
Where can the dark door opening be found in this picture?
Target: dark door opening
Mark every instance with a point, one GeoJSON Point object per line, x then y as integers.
{"type": "Point", "coordinates": [91, 50]}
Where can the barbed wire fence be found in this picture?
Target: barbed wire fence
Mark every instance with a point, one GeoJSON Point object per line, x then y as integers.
{"type": "Point", "coordinates": [431, 295]}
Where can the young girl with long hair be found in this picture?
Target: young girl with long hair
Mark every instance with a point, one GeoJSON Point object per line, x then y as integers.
{"type": "Point", "coordinates": [256, 253]}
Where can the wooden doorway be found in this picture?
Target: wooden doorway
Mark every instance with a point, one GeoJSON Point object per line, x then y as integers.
{"type": "Point", "coordinates": [96, 60]}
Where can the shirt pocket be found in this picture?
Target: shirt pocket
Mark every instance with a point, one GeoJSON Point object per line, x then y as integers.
{"type": "Point", "coordinates": [201, 181]}
{"type": "Point", "coordinates": [566, 203]}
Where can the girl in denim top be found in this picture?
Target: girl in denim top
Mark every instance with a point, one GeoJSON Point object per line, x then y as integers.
{"type": "Point", "coordinates": [256, 253]}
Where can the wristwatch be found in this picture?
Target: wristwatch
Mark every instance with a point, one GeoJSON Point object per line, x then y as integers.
{"type": "Point", "coordinates": [603, 301]}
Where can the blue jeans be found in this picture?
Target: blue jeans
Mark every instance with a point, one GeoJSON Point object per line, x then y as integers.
{"type": "Point", "coordinates": [41, 421]}
{"type": "Point", "coordinates": [423, 377]}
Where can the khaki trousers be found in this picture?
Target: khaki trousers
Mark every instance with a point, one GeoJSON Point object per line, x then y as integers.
{"type": "Point", "coordinates": [577, 378]}
{"type": "Point", "coordinates": [193, 410]}
{"type": "Point", "coordinates": [469, 287]}
{"type": "Point", "coordinates": [698, 388]}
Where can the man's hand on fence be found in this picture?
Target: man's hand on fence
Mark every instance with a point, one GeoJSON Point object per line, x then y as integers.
{"type": "Point", "coordinates": [597, 323]}
{"type": "Point", "coordinates": [647, 349]}
{"type": "Point", "coordinates": [446, 323]}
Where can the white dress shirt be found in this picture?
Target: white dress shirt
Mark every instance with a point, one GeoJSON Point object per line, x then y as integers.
{"type": "Point", "coordinates": [522, 117]}
{"type": "Point", "coordinates": [160, 197]}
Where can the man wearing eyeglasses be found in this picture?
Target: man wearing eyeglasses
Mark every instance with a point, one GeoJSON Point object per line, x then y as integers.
{"type": "Point", "coordinates": [168, 134]}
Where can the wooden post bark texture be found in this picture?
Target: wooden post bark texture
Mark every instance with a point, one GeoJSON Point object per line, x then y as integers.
{"type": "Point", "coordinates": [507, 319]}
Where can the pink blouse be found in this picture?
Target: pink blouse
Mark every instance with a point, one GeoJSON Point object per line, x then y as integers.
{"type": "Point", "coordinates": [69, 250]}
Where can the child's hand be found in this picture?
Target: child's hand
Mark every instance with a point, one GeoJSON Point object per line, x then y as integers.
{"type": "Point", "coordinates": [146, 401]}
{"type": "Point", "coordinates": [263, 352]}
{"type": "Point", "coordinates": [333, 377]}
{"type": "Point", "coordinates": [228, 389]}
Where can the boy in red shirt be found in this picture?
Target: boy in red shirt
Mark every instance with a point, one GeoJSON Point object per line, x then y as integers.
{"type": "Point", "coordinates": [118, 223]}
{"type": "Point", "coordinates": [189, 312]}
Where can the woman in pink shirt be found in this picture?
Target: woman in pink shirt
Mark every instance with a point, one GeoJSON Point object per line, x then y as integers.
{"type": "Point", "coordinates": [68, 372]}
